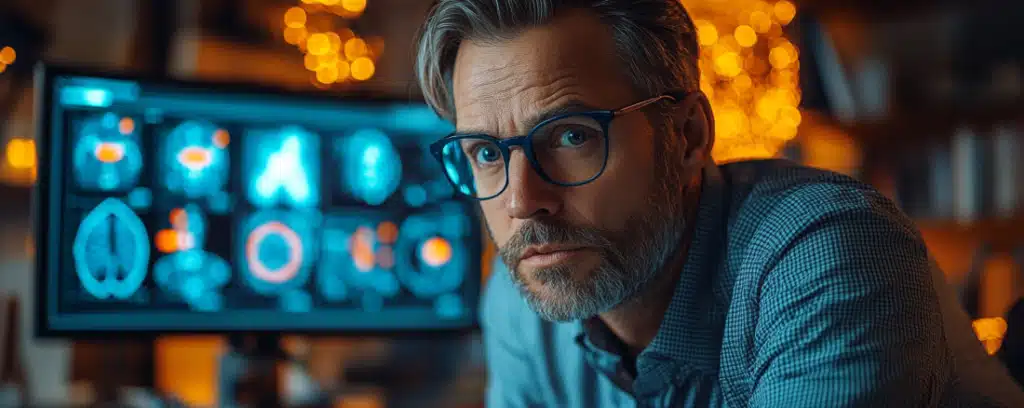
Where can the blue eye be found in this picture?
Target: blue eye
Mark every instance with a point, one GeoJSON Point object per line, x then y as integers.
{"type": "Point", "coordinates": [573, 137]}
{"type": "Point", "coordinates": [486, 153]}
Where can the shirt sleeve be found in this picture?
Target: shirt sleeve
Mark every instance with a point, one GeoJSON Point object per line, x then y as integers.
{"type": "Point", "coordinates": [509, 383]}
{"type": "Point", "coordinates": [849, 315]}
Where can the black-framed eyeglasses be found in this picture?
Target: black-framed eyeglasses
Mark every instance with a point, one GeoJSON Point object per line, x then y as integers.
{"type": "Point", "coordinates": [567, 150]}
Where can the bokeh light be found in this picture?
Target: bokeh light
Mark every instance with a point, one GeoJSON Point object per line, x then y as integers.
{"type": "Point", "coordinates": [355, 48]}
{"type": "Point", "coordinates": [333, 53]}
{"type": "Point", "coordinates": [355, 6]}
{"type": "Point", "coordinates": [362, 69]}
{"type": "Point", "coordinates": [327, 74]}
{"type": "Point", "coordinates": [344, 71]}
{"type": "Point", "coordinates": [318, 44]}
{"type": "Point", "coordinates": [745, 36]}
{"type": "Point", "coordinates": [21, 153]}
{"type": "Point", "coordinates": [750, 72]}
{"type": "Point", "coordinates": [295, 35]}
{"type": "Point", "coordinates": [8, 55]}
{"type": "Point", "coordinates": [991, 332]}
{"type": "Point", "coordinates": [295, 17]}
{"type": "Point", "coordinates": [784, 11]}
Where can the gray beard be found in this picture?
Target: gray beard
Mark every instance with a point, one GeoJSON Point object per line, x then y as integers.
{"type": "Point", "coordinates": [615, 281]}
{"type": "Point", "coordinates": [631, 259]}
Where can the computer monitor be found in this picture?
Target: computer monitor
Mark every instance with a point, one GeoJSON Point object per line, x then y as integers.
{"type": "Point", "coordinates": [169, 206]}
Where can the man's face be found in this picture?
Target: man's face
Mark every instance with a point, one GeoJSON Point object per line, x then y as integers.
{"type": "Point", "coordinates": [574, 251]}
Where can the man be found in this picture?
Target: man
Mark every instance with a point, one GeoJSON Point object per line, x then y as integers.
{"type": "Point", "coordinates": [640, 273]}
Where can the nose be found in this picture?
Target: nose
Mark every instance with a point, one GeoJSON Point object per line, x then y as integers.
{"type": "Point", "coordinates": [527, 194]}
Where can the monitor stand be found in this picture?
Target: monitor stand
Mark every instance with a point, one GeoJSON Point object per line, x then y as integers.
{"type": "Point", "coordinates": [249, 372]}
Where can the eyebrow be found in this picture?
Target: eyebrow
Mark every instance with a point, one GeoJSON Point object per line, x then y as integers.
{"type": "Point", "coordinates": [572, 106]}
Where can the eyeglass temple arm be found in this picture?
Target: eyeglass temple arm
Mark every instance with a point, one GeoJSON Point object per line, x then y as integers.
{"type": "Point", "coordinates": [670, 96]}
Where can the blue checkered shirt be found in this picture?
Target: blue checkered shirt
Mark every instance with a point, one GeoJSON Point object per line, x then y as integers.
{"type": "Point", "coordinates": [802, 288]}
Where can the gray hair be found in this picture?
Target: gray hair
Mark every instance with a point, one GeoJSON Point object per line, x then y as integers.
{"type": "Point", "coordinates": [655, 40]}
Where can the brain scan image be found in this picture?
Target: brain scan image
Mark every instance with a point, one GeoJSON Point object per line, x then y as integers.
{"type": "Point", "coordinates": [282, 166]}
{"type": "Point", "coordinates": [188, 271]}
{"type": "Point", "coordinates": [276, 254]}
{"type": "Point", "coordinates": [430, 258]}
{"type": "Point", "coordinates": [106, 154]}
{"type": "Point", "coordinates": [194, 159]}
{"type": "Point", "coordinates": [371, 169]}
{"type": "Point", "coordinates": [111, 251]}
{"type": "Point", "coordinates": [358, 257]}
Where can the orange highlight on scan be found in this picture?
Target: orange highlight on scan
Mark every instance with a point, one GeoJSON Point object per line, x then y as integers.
{"type": "Point", "coordinates": [436, 252]}
{"type": "Point", "coordinates": [221, 138]}
{"type": "Point", "coordinates": [361, 246]}
{"type": "Point", "coordinates": [126, 126]}
{"type": "Point", "coordinates": [387, 232]}
{"type": "Point", "coordinates": [108, 152]}
{"type": "Point", "coordinates": [167, 241]}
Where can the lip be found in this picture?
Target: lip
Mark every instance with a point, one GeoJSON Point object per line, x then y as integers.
{"type": "Point", "coordinates": [548, 255]}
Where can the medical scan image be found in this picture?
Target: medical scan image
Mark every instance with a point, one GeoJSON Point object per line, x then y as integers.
{"type": "Point", "coordinates": [194, 160]}
{"type": "Point", "coordinates": [106, 155]}
{"type": "Point", "coordinates": [196, 208]}
{"type": "Point", "coordinates": [111, 251]}
{"type": "Point", "coordinates": [188, 270]}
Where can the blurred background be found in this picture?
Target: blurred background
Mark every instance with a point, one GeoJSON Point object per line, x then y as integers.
{"type": "Point", "coordinates": [923, 99]}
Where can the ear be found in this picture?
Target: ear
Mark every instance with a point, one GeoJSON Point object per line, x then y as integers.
{"type": "Point", "coordinates": [695, 125]}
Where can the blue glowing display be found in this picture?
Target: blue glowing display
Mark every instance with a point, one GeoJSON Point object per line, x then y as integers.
{"type": "Point", "coordinates": [111, 251]}
{"type": "Point", "coordinates": [283, 167]}
{"type": "Point", "coordinates": [96, 92]}
{"type": "Point", "coordinates": [194, 275]}
{"type": "Point", "coordinates": [436, 244]}
{"type": "Point", "coordinates": [358, 256]}
{"type": "Point", "coordinates": [87, 96]}
{"type": "Point", "coordinates": [415, 195]}
{"type": "Point", "coordinates": [191, 272]}
{"type": "Point", "coordinates": [372, 302]}
{"type": "Point", "coordinates": [296, 301]}
{"type": "Point", "coordinates": [276, 251]}
{"type": "Point", "coordinates": [140, 198]}
{"type": "Point", "coordinates": [194, 159]}
{"type": "Point", "coordinates": [202, 209]}
{"type": "Point", "coordinates": [106, 156]}
{"type": "Point", "coordinates": [371, 167]}
{"type": "Point", "coordinates": [449, 306]}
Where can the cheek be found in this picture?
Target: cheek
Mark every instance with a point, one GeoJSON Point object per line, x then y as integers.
{"type": "Point", "coordinates": [498, 222]}
{"type": "Point", "coordinates": [623, 190]}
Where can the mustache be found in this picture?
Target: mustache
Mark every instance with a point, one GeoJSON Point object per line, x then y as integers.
{"type": "Point", "coordinates": [534, 233]}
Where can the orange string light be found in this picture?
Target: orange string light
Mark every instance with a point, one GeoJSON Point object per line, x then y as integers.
{"type": "Point", "coordinates": [332, 55]}
{"type": "Point", "coordinates": [750, 72]}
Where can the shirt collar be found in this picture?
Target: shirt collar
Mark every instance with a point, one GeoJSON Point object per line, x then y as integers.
{"type": "Point", "coordinates": [691, 330]}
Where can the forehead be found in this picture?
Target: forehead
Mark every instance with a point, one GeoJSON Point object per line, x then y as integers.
{"type": "Point", "coordinates": [571, 59]}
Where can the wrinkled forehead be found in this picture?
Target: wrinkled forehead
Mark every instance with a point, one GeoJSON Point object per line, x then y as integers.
{"type": "Point", "coordinates": [572, 59]}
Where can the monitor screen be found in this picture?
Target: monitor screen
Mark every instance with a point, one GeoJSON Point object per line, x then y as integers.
{"type": "Point", "coordinates": [171, 206]}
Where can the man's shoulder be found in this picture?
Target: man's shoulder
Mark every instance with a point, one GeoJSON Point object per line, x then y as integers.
{"type": "Point", "coordinates": [779, 207]}
{"type": "Point", "coordinates": [769, 181]}
{"type": "Point", "coordinates": [779, 197]}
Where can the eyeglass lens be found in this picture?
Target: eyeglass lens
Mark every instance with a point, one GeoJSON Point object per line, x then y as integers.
{"type": "Point", "coordinates": [568, 151]}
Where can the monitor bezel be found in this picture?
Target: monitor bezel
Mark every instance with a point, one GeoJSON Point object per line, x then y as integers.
{"type": "Point", "coordinates": [41, 201]}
